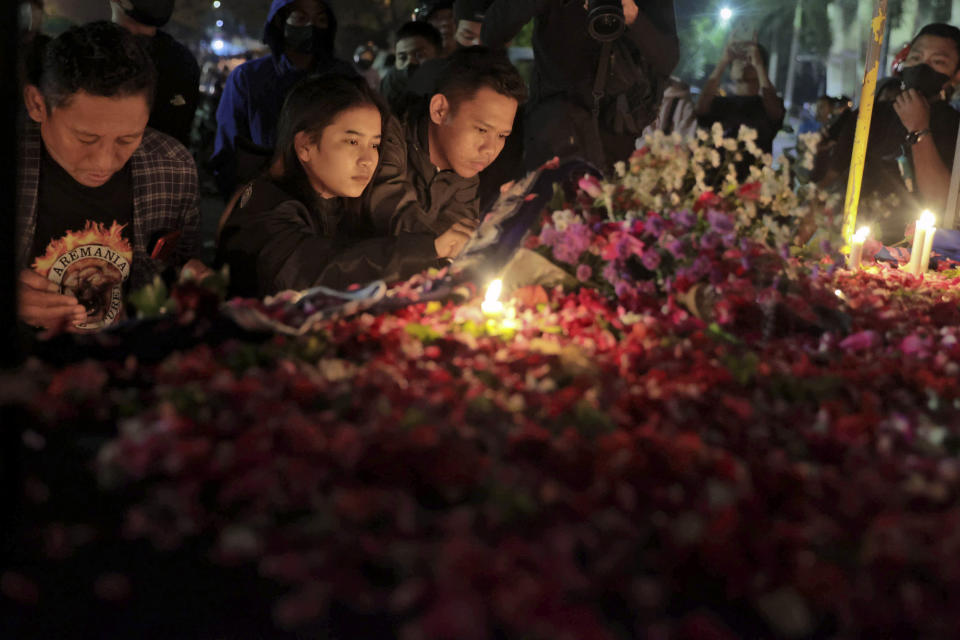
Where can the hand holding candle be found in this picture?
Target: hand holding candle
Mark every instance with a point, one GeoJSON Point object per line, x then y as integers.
{"type": "Point", "coordinates": [856, 248]}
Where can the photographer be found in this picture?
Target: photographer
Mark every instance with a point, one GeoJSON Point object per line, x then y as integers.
{"type": "Point", "coordinates": [754, 102]}
{"type": "Point", "coordinates": [913, 134]}
{"type": "Point", "coordinates": [562, 117]}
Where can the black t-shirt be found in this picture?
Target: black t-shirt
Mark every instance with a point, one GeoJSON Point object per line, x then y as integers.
{"type": "Point", "coordinates": [84, 240]}
{"type": "Point", "coordinates": [178, 87]}
{"type": "Point", "coordinates": [733, 111]}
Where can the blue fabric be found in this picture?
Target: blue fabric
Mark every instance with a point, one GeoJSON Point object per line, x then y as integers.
{"type": "Point", "coordinates": [946, 244]}
{"type": "Point", "coordinates": [253, 95]}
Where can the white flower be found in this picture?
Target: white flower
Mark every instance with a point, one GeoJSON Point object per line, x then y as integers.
{"type": "Point", "coordinates": [714, 158]}
{"type": "Point", "coordinates": [563, 219]}
{"type": "Point", "coordinates": [702, 135]}
{"type": "Point", "coordinates": [746, 134]}
{"type": "Point", "coordinates": [621, 168]}
{"type": "Point", "coordinates": [716, 132]}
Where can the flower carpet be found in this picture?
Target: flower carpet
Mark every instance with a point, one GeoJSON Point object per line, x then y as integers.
{"type": "Point", "coordinates": [717, 433]}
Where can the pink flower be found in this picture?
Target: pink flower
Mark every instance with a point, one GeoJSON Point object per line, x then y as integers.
{"type": "Point", "coordinates": [591, 186]}
{"type": "Point", "coordinates": [584, 272]}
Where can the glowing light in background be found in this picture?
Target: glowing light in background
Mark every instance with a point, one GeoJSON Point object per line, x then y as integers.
{"type": "Point", "coordinates": [726, 13]}
{"type": "Point", "coordinates": [217, 45]}
{"type": "Point", "coordinates": [219, 23]}
{"type": "Point", "coordinates": [216, 4]}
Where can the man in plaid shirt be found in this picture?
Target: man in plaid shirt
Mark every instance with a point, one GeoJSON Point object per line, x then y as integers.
{"type": "Point", "coordinates": [104, 203]}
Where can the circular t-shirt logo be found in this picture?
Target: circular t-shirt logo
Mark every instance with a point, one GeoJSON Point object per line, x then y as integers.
{"type": "Point", "coordinates": [90, 265]}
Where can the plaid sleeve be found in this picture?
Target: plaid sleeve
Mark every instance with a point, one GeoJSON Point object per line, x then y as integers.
{"type": "Point", "coordinates": [166, 199]}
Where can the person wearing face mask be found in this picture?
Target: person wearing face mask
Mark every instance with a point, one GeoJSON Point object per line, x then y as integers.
{"type": "Point", "coordinates": [298, 225]}
{"type": "Point", "coordinates": [913, 134]}
{"type": "Point", "coordinates": [417, 42]}
{"type": "Point", "coordinates": [753, 101]}
{"type": "Point", "coordinates": [300, 34]}
{"type": "Point", "coordinates": [178, 74]}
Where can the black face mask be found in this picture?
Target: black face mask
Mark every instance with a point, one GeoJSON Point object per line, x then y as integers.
{"type": "Point", "coordinates": [299, 39]}
{"type": "Point", "coordinates": [927, 81]}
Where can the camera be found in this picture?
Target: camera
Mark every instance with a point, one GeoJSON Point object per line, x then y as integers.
{"type": "Point", "coordinates": [605, 21]}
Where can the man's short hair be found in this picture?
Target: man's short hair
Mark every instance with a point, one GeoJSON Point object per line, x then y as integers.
{"type": "Point", "coordinates": [423, 30]}
{"type": "Point", "coordinates": [470, 69]}
{"type": "Point", "coordinates": [942, 30]}
{"type": "Point", "coordinates": [99, 58]}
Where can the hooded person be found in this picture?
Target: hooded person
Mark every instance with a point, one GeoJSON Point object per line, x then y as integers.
{"type": "Point", "coordinates": [300, 34]}
{"type": "Point", "coordinates": [178, 74]}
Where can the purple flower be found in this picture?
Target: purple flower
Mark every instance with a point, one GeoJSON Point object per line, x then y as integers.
{"type": "Point", "coordinates": [675, 247]}
{"type": "Point", "coordinates": [610, 273]}
{"type": "Point", "coordinates": [651, 259]}
{"type": "Point", "coordinates": [719, 221]}
{"type": "Point", "coordinates": [685, 218]}
{"type": "Point", "coordinates": [622, 289]}
{"type": "Point", "coordinates": [578, 236]}
{"type": "Point", "coordinates": [584, 272]}
{"type": "Point", "coordinates": [710, 240]}
{"type": "Point", "coordinates": [565, 252]}
{"type": "Point", "coordinates": [549, 236]}
{"type": "Point", "coordinates": [653, 225]}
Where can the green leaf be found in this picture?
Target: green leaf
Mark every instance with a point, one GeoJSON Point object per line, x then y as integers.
{"type": "Point", "coordinates": [421, 332]}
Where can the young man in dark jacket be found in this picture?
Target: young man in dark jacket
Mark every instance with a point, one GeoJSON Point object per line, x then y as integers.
{"type": "Point", "coordinates": [429, 164]}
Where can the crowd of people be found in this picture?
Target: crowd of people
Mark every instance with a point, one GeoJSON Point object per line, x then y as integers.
{"type": "Point", "coordinates": [337, 172]}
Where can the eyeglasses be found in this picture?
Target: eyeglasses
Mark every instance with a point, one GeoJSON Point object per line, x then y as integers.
{"type": "Point", "coordinates": [298, 18]}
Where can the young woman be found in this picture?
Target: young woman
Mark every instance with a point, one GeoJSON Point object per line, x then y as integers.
{"type": "Point", "coordinates": [300, 224]}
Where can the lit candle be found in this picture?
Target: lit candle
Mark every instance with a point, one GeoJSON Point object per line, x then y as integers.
{"type": "Point", "coordinates": [927, 249]}
{"type": "Point", "coordinates": [919, 236]}
{"type": "Point", "coordinates": [491, 302]}
{"type": "Point", "coordinates": [856, 248]}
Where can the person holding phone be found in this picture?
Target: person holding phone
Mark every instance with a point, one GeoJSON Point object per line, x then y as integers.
{"type": "Point", "coordinates": [913, 136]}
{"type": "Point", "coordinates": [753, 100]}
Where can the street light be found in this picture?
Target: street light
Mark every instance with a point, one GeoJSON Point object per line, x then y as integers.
{"type": "Point", "coordinates": [725, 14]}
{"type": "Point", "coordinates": [216, 4]}
{"type": "Point", "coordinates": [219, 23]}
{"type": "Point", "coordinates": [217, 45]}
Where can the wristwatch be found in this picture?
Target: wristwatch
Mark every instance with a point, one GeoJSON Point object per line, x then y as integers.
{"type": "Point", "coordinates": [916, 136]}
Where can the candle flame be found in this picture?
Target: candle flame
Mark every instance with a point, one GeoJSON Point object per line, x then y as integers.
{"type": "Point", "coordinates": [926, 220]}
{"type": "Point", "coordinates": [862, 234]}
{"type": "Point", "coordinates": [491, 302]}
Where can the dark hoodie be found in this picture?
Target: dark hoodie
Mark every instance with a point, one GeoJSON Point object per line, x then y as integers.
{"type": "Point", "coordinates": [254, 93]}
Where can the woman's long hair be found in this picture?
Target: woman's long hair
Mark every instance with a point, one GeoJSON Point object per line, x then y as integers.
{"type": "Point", "coordinates": [311, 106]}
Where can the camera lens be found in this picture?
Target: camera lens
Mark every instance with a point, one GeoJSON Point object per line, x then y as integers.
{"type": "Point", "coordinates": [605, 21]}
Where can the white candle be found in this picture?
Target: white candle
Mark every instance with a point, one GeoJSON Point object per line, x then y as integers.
{"type": "Point", "coordinates": [919, 235]}
{"type": "Point", "coordinates": [491, 303]}
{"type": "Point", "coordinates": [927, 249]}
{"type": "Point", "coordinates": [856, 249]}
